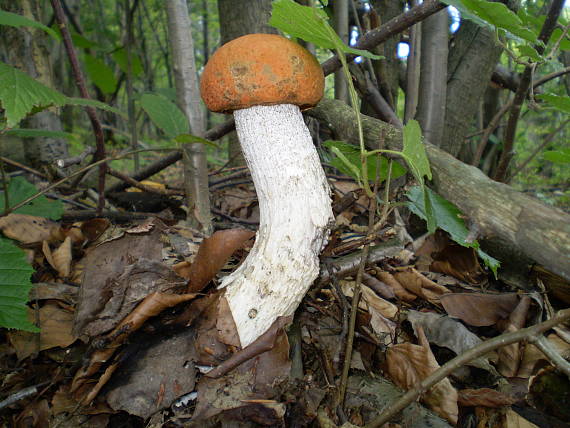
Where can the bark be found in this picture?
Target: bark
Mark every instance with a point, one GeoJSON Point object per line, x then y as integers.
{"type": "Point", "coordinates": [471, 63]}
{"type": "Point", "coordinates": [413, 71]}
{"type": "Point", "coordinates": [26, 49]}
{"type": "Point", "coordinates": [238, 18]}
{"type": "Point", "coordinates": [188, 95]}
{"type": "Point", "coordinates": [512, 224]}
{"type": "Point", "coordinates": [340, 8]}
{"type": "Point", "coordinates": [433, 76]}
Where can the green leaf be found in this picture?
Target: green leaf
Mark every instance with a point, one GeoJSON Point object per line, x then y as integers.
{"type": "Point", "coordinates": [414, 151]}
{"type": "Point", "coordinates": [100, 74]}
{"type": "Point", "coordinates": [82, 42]}
{"type": "Point", "coordinates": [165, 115]}
{"type": "Point", "coordinates": [15, 286]}
{"type": "Point", "coordinates": [34, 133]}
{"type": "Point", "coordinates": [560, 103]}
{"type": "Point", "coordinates": [120, 56]}
{"type": "Point", "coordinates": [20, 94]}
{"type": "Point", "coordinates": [448, 218]}
{"type": "Point", "coordinates": [309, 24]}
{"type": "Point", "coordinates": [20, 189]}
{"type": "Point", "coordinates": [564, 43]}
{"type": "Point", "coordinates": [530, 52]}
{"type": "Point", "coordinates": [352, 155]}
{"type": "Point", "coordinates": [558, 156]}
{"type": "Point", "coordinates": [15, 20]}
{"type": "Point", "coordinates": [189, 138]}
{"type": "Point", "coordinates": [93, 103]}
{"type": "Point", "coordinates": [495, 14]}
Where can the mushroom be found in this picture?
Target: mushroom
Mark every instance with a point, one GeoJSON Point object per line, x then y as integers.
{"type": "Point", "coordinates": [265, 80]}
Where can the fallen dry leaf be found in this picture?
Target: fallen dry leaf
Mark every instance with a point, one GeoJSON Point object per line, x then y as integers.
{"type": "Point", "coordinates": [409, 364]}
{"type": "Point", "coordinates": [55, 323]}
{"type": "Point", "coordinates": [510, 355]}
{"type": "Point", "coordinates": [61, 258]}
{"type": "Point", "coordinates": [533, 357]}
{"type": "Point", "coordinates": [478, 309]}
{"type": "Point", "coordinates": [29, 229]}
{"type": "Point", "coordinates": [416, 283]}
{"type": "Point", "coordinates": [400, 292]}
{"type": "Point", "coordinates": [213, 254]}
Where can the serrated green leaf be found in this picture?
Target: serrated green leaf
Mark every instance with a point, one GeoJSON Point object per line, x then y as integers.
{"type": "Point", "coordinates": [558, 156]}
{"type": "Point", "coordinates": [93, 103]}
{"type": "Point", "coordinates": [352, 154]}
{"type": "Point", "coordinates": [189, 138]}
{"type": "Point", "coordinates": [15, 20]}
{"type": "Point", "coordinates": [20, 94]}
{"type": "Point", "coordinates": [414, 150]}
{"type": "Point", "coordinates": [309, 24]}
{"type": "Point", "coordinates": [494, 14]}
{"type": "Point", "coordinates": [100, 74]}
{"type": "Point", "coordinates": [560, 103]}
{"type": "Point", "coordinates": [120, 56]}
{"type": "Point", "coordinates": [448, 218]}
{"type": "Point", "coordinates": [15, 285]}
{"type": "Point", "coordinates": [20, 189]}
{"type": "Point", "coordinates": [34, 133]}
{"type": "Point", "coordinates": [165, 115]}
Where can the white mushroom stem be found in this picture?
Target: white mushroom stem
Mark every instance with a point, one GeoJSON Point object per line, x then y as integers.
{"type": "Point", "coordinates": [295, 212]}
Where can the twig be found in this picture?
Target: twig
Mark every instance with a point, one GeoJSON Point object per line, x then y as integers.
{"type": "Point", "coordinates": [24, 167]}
{"type": "Point", "coordinates": [76, 173]}
{"type": "Point", "coordinates": [65, 163]}
{"type": "Point", "coordinates": [552, 354]}
{"type": "Point", "coordinates": [22, 394]}
{"type": "Point", "coordinates": [138, 184]}
{"type": "Point", "coordinates": [393, 26]}
{"type": "Point", "coordinates": [80, 82]}
{"type": "Point", "coordinates": [475, 352]}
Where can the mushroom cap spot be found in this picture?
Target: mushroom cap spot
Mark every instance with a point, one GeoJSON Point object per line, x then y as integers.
{"type": "Point", "coordinates": [261, 69]}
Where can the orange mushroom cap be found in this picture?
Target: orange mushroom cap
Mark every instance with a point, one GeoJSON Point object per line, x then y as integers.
{"type": "Point", "coordinates": [261, 69]}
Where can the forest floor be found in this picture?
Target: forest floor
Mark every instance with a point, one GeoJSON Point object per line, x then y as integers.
{"type": "Point", "coordinates": [132, 324]}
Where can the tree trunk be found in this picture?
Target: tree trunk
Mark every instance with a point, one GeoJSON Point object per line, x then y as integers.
{"type": "Point", "coordinates": [25, 48]}
{"type": "Point", "coordinates": [433, 75]}
{"type": "Point", "coordinates": [238, 18]}
{"type": "Point", "coordinates": [471, 63]}
{"type": "Point", "coordinates": [188, 95]}
{"type": "Point", "coordinates": [512, 225]}
{"type": "Point", "coordinates": [340, 8]}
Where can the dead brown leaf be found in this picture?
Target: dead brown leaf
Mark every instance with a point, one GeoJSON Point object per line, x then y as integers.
{"type": "Point", "coordinates": [213, 254]}
{"type": "Point", "coordinates": [61, 258]}
{"type": "Point", "coordinates": [409, 364]}
{"type": "Point", "coordinates": [478, 309]}
{"type": "Point", "coordinates": [29, 229]}
{"type": "Point", "coordinates": [416, 283]}
{"type": "Point", "coordinates": [55, 323]}
{"type": "Point", "coordinates": [532, 357]}
{"type": "Point", "coordinates": [93, 228]}
{"type": "Point", "coordinates": [388, 279]}
{"type": "Point", "coordinates": [510, 355]}
{"type": "Point", "coordinates": [35, 415]}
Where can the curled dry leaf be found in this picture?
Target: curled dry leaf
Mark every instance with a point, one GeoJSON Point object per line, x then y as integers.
{"type": "Point", "coordinates": [29, 229]}
{"type": "Point", "coordinates": [416, 283]}
{"type": "Point", "coordinates": [61, 258]}
{"type": "Point", "coordinates": [400, 292]}
{"type": "Point", "coordinates": [478, 309]}
{"type": "Point", "coordinates": [213, 254]}
{"type": "Point", "coordinates": [510, 355]}
{"type": "Point", "coordinates": [409, 364]}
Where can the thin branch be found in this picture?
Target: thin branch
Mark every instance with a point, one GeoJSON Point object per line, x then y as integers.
{"type": "Point", "coordinates": [80, 82]}
{"type": "Point", "coordinates": [393, 26]}
{"type": "Point", "coordinates": [478, 351]}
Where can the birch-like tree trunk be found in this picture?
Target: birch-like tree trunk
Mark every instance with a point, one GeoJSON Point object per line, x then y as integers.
{"type": "Point", "coordinates": [188, 96]}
